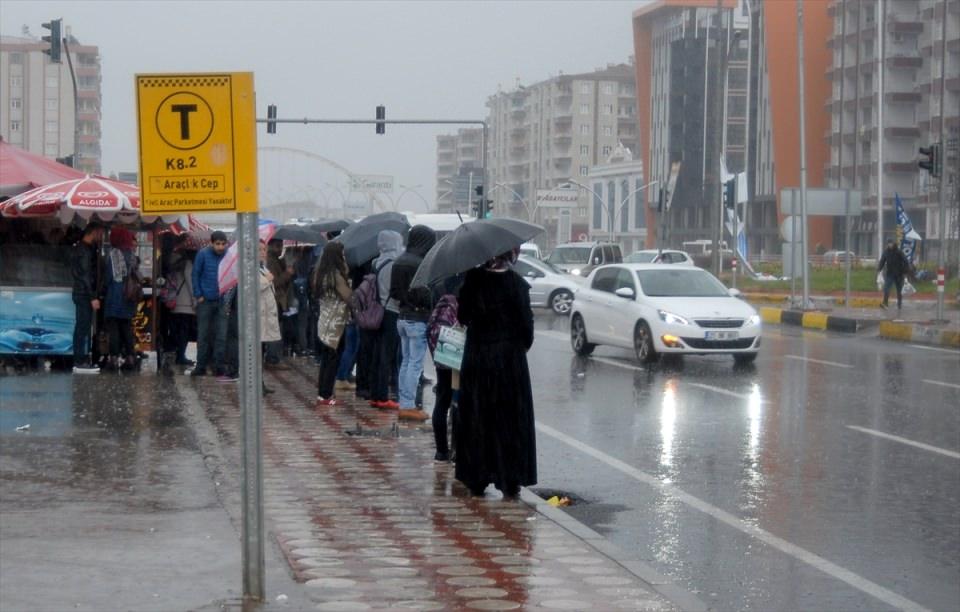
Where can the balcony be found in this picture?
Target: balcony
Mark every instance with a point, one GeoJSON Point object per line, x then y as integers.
{"type": "Point", "coordinates": [905, 61]}
{"type": "Point", "coordinates": [518, 112]}
{"type": "Point", "coordinates": [900, 167]}
{"type": "Point", "coordinates": [901, 132]}
{"type": "Point", "coordinates": [902, 97]}
{"type": "Point", "coordinates": [563, 138]}
{"type": "Point", "coordinates": [904, 26]}
{"type": "Point", "coordinates": [563, 119]}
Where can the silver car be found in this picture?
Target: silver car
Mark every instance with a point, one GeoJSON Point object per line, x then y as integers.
{"type": "Point", "coordinates": [549, 286]}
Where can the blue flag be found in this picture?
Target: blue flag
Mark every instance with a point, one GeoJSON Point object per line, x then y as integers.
{"type": "Point", "coordinates": [906, 235]}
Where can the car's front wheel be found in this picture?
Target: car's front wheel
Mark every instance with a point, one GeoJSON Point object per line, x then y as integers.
{"type": "Point", "coordinates": [561, 301]}
{"type": "Point", "coordinates": [643, 344]}
{"type": "Point", "coordinates": [578, 337]}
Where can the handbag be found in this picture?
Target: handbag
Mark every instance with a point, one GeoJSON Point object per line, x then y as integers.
{"type": "Point", "coordinates": [450, 344]}
{"type": "Point", "coordinates": [132, 289]}
{"type": "Point", "coordinates": [334, 314]}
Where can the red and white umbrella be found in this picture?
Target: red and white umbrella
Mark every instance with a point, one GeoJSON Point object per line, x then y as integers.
{"type": "Point", "coordinates": [83, 196]}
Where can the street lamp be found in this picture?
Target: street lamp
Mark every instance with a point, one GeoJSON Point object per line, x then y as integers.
{"type": "Point", "coordinates": [626, 200]}
{"type": "Point", "coordinates": [599, 199]}
{"type": "Point", "coordinates": [413, 189]}
{"type": "Point", "coordinates": [526, 207]}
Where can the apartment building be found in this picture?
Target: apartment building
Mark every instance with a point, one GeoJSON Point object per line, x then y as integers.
{"type": "Point", "coordinates": [37, 101]}
{"type": "Point", "coordinates": [911, 33]}
{"type": "Point", "coordinates": [458, 155]}
{"type": "Point", "coordinates": [544, 134]}
{"type": "Point", "coordinates": [679, 42]}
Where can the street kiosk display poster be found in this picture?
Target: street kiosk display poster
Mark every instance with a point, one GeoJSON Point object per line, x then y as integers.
{"type": "Point", "coordinates": [198, 143]}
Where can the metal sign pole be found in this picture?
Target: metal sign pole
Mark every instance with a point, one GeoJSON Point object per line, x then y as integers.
{"type": "Point", "coordinates": [846, 246]}
{"type": "Point", "coordinates": [803, 160]}
{"type": "Point", "coordinates": [251, 420]}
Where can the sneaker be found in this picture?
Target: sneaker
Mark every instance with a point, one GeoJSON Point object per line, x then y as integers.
{"type": "Point", "coordinates": [441, 456]}
{"type": "Point", "coordinates": [267, 390]}
{"type": "Point", "coordinates": [196, 372]}
{"type": "Point", "coordinates": [328, 402]}
{"type": "Point", "coordinates": [390, 405]}
{"type": "Point", "coordinates": [227, 378]}
{"type": "Point", "coordinates": [86, 368]}
{"type": "Point", "coordinates": [412, 414]}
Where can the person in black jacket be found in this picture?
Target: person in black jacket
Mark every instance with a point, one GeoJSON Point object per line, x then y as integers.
{"type": "Point", "coordinates": [83, 267]}
{"type": "Point", "coordinates": [415, 308]}
{"type": "Point", "coordinates": [895, 267]}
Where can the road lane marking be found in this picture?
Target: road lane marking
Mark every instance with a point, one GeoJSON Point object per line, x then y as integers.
{"type": "Point", "coordinates": [744, 396]}
{"type": "Point", "coordinates": [940, 382]}
{"type": "Point", "coordinates": [934, 348]}
{"type": "Point", "coordinates": [619, 364]}
{"type": "Point", "coordinates": [831, 363]}
{"type": "Point", "coordinates": [926, 447]}
{"type": "Point", "coordinates": [855, 580]}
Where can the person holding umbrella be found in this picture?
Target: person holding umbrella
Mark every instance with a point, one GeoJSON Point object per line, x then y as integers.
{"type": "Point", "coordinates": [415, 307]}
{"type": "Point", "coordinates": [494, 431]}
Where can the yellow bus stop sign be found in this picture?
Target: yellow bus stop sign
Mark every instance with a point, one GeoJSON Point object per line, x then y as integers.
{"type": "Point", "coordinates": [198, 143]}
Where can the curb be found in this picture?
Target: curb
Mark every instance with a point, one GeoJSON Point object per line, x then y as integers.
{"type": "Point", "coordinates": [814, 320]}
{"type": "Point", "coordinates": [920, 334]}
{"type": "Point", "coordinates": [855, 301]}
{"type": "Point", "coordinates": [658, 582]}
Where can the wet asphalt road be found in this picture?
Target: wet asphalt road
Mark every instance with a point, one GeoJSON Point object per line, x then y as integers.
{"type": "Point", "coordinates": [751, 487]}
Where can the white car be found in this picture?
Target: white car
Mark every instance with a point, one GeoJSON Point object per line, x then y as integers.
{"type": "Point", "coordinates": [530, 249]}
{"type": "Point", "coordinates": [549, 287]}
{"type": "Point", "coordinates": [660, 256]}
{"type": "Point", "coordinates": [656, 309]}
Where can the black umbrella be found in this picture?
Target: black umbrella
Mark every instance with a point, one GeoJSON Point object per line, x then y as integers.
{"type": "Point", "coordinates": [299, 233]}
{"type": "Point", "coordinates": [470, 245]}
{"type": "Point", "coordinates": [330, 225]}
{"type": "Point", "coordinates": [360, 239]}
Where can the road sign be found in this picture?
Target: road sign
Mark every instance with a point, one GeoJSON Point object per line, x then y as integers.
{"type": "Point", "coordinates": [198, 143]}
{"type": "Point", "coordinates": [822, 201]}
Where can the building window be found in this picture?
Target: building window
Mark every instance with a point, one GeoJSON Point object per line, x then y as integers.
{"type": "Point", "coordinates": [597, 206]}
{"type": "Point", "coordinates": [51, 127]}
{"type": "Point", "coordinates": [584, 170]}
{"type": "Point", "coordinates": [16, 58]}
{"type": "Point", "coordinates": [53, 81]}
{"type": "Point", "coordinates": [16, 103]}
{"type": "Point", "coordinates": [584, 88]}
{"type": "Point", "coordinates": [584, 150]}
{"type": "Point", "coordinates": [584, 109]}
{"type": "Point", "coordinates": [606, 150]}
{"type": "Point", "coordinates": [14, 126]}
{"type": "Point", "coordinates": [51, 104]}
{"type": "Point", "coordinates": [16, 82]}
{"type": "Point", "coordinates": [607, 130]}
{"type": "Point", "coordinates": [585, 129]}
{"type": "Point", "coordinates": [608, 88]}
{"type": "Point", "coordinates": [608, 109]}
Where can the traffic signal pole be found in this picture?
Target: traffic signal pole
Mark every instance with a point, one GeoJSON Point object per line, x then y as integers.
{"type": "Point", "coordinates": [942, 222]}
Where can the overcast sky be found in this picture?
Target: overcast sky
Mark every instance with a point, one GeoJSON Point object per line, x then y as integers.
{"type": "Point", "coordinates": [339, 60]}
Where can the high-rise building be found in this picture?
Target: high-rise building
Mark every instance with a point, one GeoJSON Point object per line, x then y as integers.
{"type": "Point", "coordinates": [458, 155]}
{"type": "Point", "coordinates": [37, 101]}
{"type": "Point", "coordinates": [912, 45]}
{"type": "Point", "coordinates": [545, 134]}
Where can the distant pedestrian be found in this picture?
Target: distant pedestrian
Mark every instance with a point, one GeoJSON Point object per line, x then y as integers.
{"type": "Point", "coordinates": [494, 432]}
{"type": "Point", "coordinates": [83, 268]}
{"type": "Point", "coordinates": [120, 303]}
{"type": "Point", "coordinates": [332, 291]}
{"type": "Point", "coordinates": [269, 322]}
{"type": "Point", "coordinates": [182, 318]}
{"type": "Point", "coordinates": [384, 366]}
{"type": "Point", "coordinates": [282, 273]}
{"type": "Point", "coordinates": [895, 267]}
{"type": "Point", "coordinates": [211, 324]}
{"type": "Point", "coordinates": [415, 309]}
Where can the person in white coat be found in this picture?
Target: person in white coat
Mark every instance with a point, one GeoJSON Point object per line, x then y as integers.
{"type": "Point", "coordinates": [269, 321]}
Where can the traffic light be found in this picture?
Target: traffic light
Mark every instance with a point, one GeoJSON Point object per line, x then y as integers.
{"type": "Point", "coordinates": [271, 114]}
{"type": "Point", "coordinates": [479, 203]}
{"type": "Point", "coordinates": [381, 115]}
{"type": "Point", "coordinates": [54, 39]}
{"type": "Point", "coordinates": [730, 194]}
{"type": "Point", "coordinates": [933, 159]}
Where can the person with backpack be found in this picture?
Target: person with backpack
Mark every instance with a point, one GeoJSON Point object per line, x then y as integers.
{"type": "Point", "coordinates": [121, 297]}
{"type": "Point", "coordinates": [383, 366]}
{"type": "Point", "coordinates": [444, 315]}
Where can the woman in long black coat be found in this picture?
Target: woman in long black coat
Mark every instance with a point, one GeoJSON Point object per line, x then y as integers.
{"type": "Point", "coordinates": [495, 438]}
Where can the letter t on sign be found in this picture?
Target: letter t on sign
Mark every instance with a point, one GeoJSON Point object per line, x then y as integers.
{"type": "Point", "coordinates": [184, 110]}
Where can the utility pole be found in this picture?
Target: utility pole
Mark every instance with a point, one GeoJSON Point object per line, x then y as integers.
{"type": "Point", "coordinates": [803, 159]}
{"type": "Point", "coordinates": [719, 93]}
{"type": "Point", "coordinates": [942, 222]}
{"type": "Point", "coordinates": [881, 64]}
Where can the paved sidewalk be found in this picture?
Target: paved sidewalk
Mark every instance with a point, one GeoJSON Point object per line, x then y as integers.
{"type": "Point", "coordinates": [367, 520]}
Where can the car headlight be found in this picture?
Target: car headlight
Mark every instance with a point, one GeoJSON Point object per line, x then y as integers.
{"type": "Point", "coordinates": [754, 320]}
{"type": "Point", "coordinates": [575, 271]}
{"type": "Point", "coordinates": [671, 319]}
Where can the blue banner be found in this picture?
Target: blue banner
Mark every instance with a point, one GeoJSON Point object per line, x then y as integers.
{"type": "Point", "coordinates": [906, 235]}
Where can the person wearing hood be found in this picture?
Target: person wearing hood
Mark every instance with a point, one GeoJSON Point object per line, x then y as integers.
{"type": "Point", "coordinates": [119, 306]}
{"type": "Point", "coordinates": [415, 308]}
{"type": "Point", "coordinates": [383, 366]}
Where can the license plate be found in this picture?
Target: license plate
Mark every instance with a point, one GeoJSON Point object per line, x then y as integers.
{"type": "Point", "coordinates": [722, 335]}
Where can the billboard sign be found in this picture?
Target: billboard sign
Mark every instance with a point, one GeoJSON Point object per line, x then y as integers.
{"type": "Point", "coordinates": [558, 198]}
{"type": "Point", "coordinates": [375, 183]}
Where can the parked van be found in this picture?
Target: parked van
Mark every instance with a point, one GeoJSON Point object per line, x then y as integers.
{"type": "Point", "coordinates": [580, 258]}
